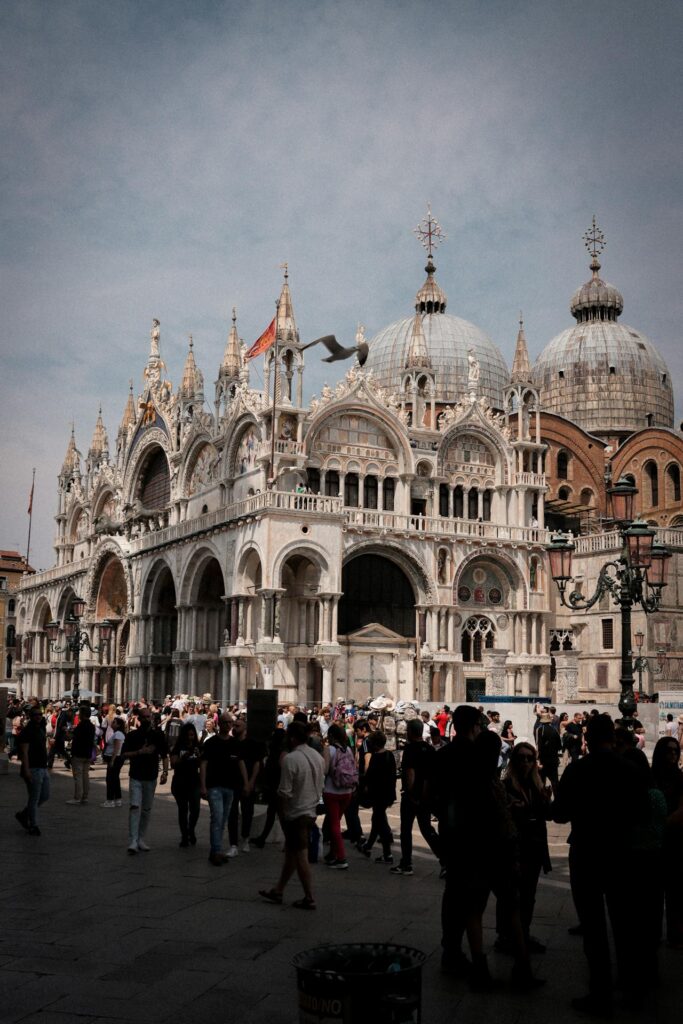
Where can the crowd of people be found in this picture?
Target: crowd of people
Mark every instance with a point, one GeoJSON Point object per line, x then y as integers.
{"type": "Point", "coordinates": [480, 796]}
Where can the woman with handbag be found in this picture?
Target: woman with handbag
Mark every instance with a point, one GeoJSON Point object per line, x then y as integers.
{"type": "Point", "coordinates": [379, 793]}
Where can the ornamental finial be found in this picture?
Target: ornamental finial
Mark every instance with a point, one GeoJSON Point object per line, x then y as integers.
{"type": "Point", "coordinates": [594, 241]}
{"type": "Point", "coordinates": [429, 232]}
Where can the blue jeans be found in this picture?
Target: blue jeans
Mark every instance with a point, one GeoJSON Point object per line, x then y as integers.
{"type": "Point", "coordinates": [220, 802]}
{"type": "Point", "coordinates": [141, 795]}
{"type": "Point", "coordinates": [38, 789]}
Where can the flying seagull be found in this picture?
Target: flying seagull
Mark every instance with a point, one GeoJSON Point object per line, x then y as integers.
{"type": "Point", "coordinates": [337, 352]}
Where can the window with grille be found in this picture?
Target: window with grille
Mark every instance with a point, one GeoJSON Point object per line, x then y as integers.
{"type": "Point", "coordinates": [601, 675]}
{"type": "Point", "coordinates": [608, 634]}
{"type": "Point", "coordinates": [155, 486]}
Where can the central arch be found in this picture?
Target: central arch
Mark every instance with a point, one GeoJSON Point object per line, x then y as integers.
{"type": "Point", "coordinates": [376, 589]}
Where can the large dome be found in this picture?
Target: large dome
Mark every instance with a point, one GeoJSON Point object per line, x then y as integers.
{"type": "Point", "coordinates": [448, 339]}
{"type": "Point", "coordinates": [606, 377]}
{"type": "Point", "coordinates": [603, 375]}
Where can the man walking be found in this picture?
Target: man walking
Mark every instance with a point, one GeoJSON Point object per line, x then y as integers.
{"type": "Point", "coordinates": [301, 783]}
{"type": "Point", "coordinates": [549, 747]}
{"type": "Point", "coordinates": [222, 774]}
{"type": "Point", "coordinates": [143, 748]}
{"type": "Point", "coordinates": [32, 749]}
{"type": "Point", "coordinates": [416, 770]}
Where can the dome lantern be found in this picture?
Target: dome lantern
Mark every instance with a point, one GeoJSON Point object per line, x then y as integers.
{"type": "Point", "coordinates": [596, 299]}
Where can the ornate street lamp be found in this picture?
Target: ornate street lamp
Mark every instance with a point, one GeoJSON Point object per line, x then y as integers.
{"type": "Point", "coordinates": [75, 639]}
{"type": "Point", "coordinates": [636, 577]}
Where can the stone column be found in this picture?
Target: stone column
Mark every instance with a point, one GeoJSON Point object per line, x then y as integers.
{"type": "Point", "coordinates": [566, 676]}
{"type": "Point", "coordinates": [328, 664]}
{"type": "Point", "coordinates": [234, 620]}
{"type": "Point", "coordinates": [302, 680]}
{"type": "Point", "coordinates": [496, 676]}
{"type": "Point", "coordinates": [335, 618]}
{"type": "Point", "coordinates": [225, 683]}
{"type": "Point", "coordinates": [243, 669]}
{"type": "Point", "coordinates": [443, 629]}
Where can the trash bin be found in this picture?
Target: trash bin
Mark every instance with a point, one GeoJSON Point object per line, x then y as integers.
{"type": "Point", "coordinates": [359, 982]}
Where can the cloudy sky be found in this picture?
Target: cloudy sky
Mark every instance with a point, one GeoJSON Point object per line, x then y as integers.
{"type": "Point", "coordinates": [162, 159]}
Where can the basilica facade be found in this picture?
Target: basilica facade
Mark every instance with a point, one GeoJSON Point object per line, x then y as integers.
{"type": "Point", "coordinates": [388, 536]}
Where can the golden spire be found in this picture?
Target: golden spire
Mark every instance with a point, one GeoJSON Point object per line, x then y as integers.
{"type": "Point", "coordinates": [521, 365]}
{"type": "Point", "coordinates": [129, 412]}
{"type": "Point", "coordinates": [232, 358]}
{"type": "Point", "coordinates": [99, 441]}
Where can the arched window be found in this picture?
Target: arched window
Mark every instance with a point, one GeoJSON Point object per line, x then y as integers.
{"type": "Point", "coordinates": [389, 492]}
{"type": "Point", "coordinates": [332, 483]}
{"type": "Point", "coordinates": [673, 483]}
{"type": "Point", "coordinates": [10, 606]}
{"type": "Point", "coordinates": [563, 494]}
{"type": "Point", "coordinates": [313, 479]}
{"type": "Point", "coordinates": [477, 636]}
{"type": "Point", "coordinates": [443, 500]}
{"type": "Point", "coordinates": [486, 506]}
{"type": "Point", "coordinates": [458, 502]}
{"type": "Point", "coordinates": [370, 492]}
{"type": "Point", "coordinates": [351, 490]}
{"type": "Point", "coordinates": [562, 465]}
{"type": "Point", "coordinates": [154, 482]}
{"type": "Point", "coordinates": [652, 477]}
{"type": "Point", "coordinates": [473, 503]}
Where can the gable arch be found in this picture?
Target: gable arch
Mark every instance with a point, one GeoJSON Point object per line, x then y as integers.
{"type": "Point", "coordinates": [42, 613]}
{"type": "Point", "coordinates": [153, 441]}
{"type": "Point", "coordinates": [504, 563]}
{"type": "Point", "coordinates": [105, 552]}
{"type": "Point", "coordinates": [248, 420]}
{"type": "Point", "coordinates": [150, 586]}
{"type": "Point", "coordinates": [324, 419]}
{"type": "Point", "coordinates": [484, 435]}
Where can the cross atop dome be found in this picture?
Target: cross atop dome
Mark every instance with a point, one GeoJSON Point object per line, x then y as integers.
{"type": "Point", "coordinates": [429, 232]}
{"type": "Point", "coordinates": [594, 241]}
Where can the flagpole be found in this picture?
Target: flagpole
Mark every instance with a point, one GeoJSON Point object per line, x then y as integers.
{"type": "Point", "coordinates": [275, 376]}
{"type": "Point", "coordinates": [30, 517]}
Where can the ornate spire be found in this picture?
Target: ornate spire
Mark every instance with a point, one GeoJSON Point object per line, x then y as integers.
{"type": "Point", "coordinates": [521, 365]}
{"type": "Point", "coordinates": [430, 298]}
{"type": "Point", "coordinates": [595, 242]}
{"type": "Point", "coordinates": [188, 387]}
{"type": "Point", "coordinates": [418, 354]}
{"type": "Point", "coordinates": [72, 459]}
{"type": "Point", "coordinates": [232, 359]}
{"type": "Point", "coordinates": [99, 443]}
{"type": "Point", "coordinates": [128, 419]}
{"type": "Point", "coordinates": [285, 322]}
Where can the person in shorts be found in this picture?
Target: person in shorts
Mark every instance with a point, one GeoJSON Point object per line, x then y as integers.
{"type": "Point", "coordinates": [301, 783]}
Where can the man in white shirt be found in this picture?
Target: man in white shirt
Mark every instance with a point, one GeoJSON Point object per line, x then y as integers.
{"type": "Point", "coordinates": [301, 783]}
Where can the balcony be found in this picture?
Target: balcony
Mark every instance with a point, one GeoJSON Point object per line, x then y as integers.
{"type": "Point", "coordinates": [291, 448]}
{"type": "Point", "coordinates": [371, 520]}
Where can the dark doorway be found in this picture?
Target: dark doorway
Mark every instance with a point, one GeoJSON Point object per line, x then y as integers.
{"type": "Point", "coordinates": [376, 590]}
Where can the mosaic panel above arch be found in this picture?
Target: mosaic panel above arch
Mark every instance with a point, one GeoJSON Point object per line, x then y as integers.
{"type": "Point", "coordinates": [482, 584]}
{"type": "Point", "coordinates": [202, 470]}
{"type": "Point", "coordinates": [354, 434]}
{"type": "Point", "coordinates": [245, 455]}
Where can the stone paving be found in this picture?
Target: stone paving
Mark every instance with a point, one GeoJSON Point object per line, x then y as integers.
{"type": "Point", "coordinates": [90, 934]}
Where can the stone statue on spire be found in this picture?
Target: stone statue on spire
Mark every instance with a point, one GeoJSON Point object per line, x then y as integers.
{"type": "Point", "coordinates": [154, 335]}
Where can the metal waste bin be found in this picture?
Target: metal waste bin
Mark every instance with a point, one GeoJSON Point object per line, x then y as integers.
{"type": "Point", "coordinates": [358, 982]}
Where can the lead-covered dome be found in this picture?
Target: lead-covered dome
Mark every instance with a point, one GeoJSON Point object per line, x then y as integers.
{"type": "Point", "coordinates": [605, 376]}
{"type": "Point", "coordinates": [448, 340]}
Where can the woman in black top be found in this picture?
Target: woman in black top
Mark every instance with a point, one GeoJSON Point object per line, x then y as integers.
{"type": "Point", "coordinates": [669, 778]}
{"type": "Point", "coordinates": [379, 791]}
{"type": "Point", "coordinates": [529, 804]}
{"type": "Point", "coordinates": [185, 786]}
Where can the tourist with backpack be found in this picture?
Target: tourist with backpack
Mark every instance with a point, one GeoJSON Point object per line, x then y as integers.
{"type": "Point", "coordinates": [341, 778]}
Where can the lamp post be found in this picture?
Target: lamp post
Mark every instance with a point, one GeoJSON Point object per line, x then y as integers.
{"type": "Point", "coordinates": [636, 577]}
{"type": "Point", "coordinates": [75, 639]}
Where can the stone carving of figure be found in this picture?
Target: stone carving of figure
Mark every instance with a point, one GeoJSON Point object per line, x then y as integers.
{"type": "Point", "coordinates": [154, 335]}
{"type": "Point", "coordinates": [472, 371]}
{"type": "Point", "coordinates": [442, 566]}
{"type": "Point", "coordinates": [326, 393]}
{"type": "Point", "coordinates": [360, 334]}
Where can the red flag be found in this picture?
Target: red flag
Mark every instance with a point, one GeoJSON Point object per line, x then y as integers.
{"type": "Point", "coordinates": [30, 500]}
{"type": "Point", "coordinates": [263, 343]}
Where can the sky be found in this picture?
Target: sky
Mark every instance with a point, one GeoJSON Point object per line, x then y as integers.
{"type": "Point", "coordinates": [162, 159]}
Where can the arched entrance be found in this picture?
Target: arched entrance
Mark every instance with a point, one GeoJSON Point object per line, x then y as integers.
{"type": "Point", "coordinates": [376, 590]}
{"type": "Point", "coordinates": [162, 628]}
{"type": "Point", "coordinates": [112, 604]}
{"type": "Point", "coordinates": [208, 614]}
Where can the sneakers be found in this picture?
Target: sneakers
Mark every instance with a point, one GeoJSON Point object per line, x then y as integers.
{"type": "Point", "coordinates": [143, 847]}
{"type": "Point", "coordinates": [119, 803]}
{"type": "Point", "coordinates": [339, 865]}
{"type": "Point", "coordinates": [232, 852]}
{"type": "Point", "coordinates": [400, 870]}
{"type": "Point", "coordinates": [244, 846]}
{"type": "Point", "coordinates": [108, 803]}
{"type": "Point", "coordinates": [384, 860]}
